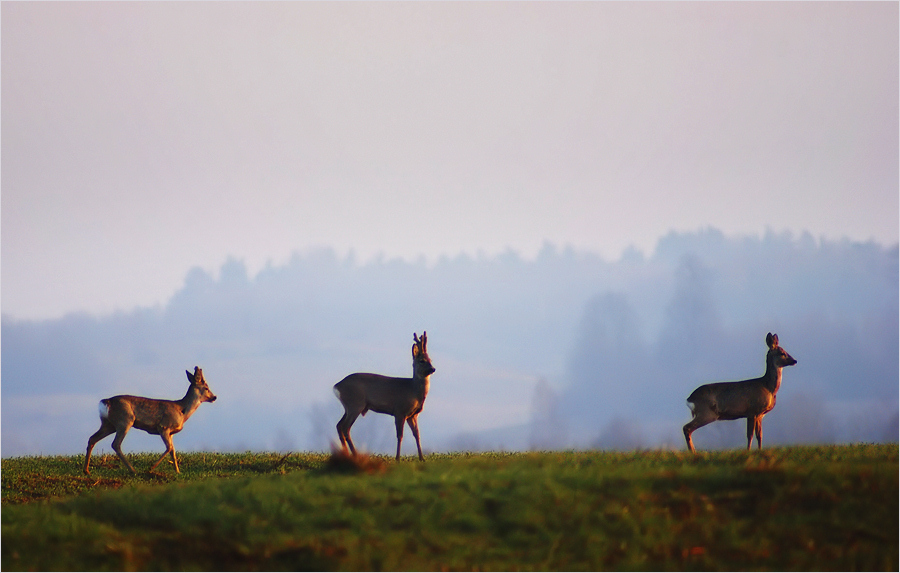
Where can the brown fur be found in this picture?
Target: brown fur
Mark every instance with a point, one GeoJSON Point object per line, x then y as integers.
{"type": "Point", "coordinates": [751, 399]}
{"type": "Point", "coordinates": [160, 417]}
{"type": "Point", "coordinates": [402, 398]}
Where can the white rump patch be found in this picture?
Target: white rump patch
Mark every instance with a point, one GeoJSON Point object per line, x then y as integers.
{"type": "Point", "coordinates": [337, 392]}
{"type": "Point", "coordinates": [691, 406]}
{"type": "Point", "coordinates": [104, 410]}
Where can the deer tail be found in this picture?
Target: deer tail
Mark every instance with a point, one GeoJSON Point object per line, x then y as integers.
{"type": "Point", "coordinates": [103, 407]}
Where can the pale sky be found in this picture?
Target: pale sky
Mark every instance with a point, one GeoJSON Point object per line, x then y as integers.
{"type": "Point", "coordinates": [142, 139]}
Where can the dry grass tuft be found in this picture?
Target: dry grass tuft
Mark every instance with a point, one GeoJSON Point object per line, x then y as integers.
{"type": "Point", "coordinates": [344, 462]}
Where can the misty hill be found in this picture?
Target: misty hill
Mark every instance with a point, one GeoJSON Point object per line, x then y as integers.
{"type": "Point", "coordinates": [565, 350]}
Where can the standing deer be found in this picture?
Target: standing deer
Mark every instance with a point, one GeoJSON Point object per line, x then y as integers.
{"type": "Point", "coordinates": [161, 417]}
{"type": "Point", "coordinates": [401, 398]}
{"type": "Point", "coordinates": [751, 399]}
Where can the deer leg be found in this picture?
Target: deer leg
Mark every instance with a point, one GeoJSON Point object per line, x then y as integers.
{"type": "Point", "coordinates": [340, 431]}
{"type": "Point", "coordinates": [695, 424]}
{"type": "Point", "coordinates": [758, 427]}
{"type": "Point", "coordinates": [398, 421]}
{"type": "Point", "coordinates": [170, 449]}
{"type": "Point", "coordinates": [105, 430]}
{"type": "Point", "coordinates": [343, 429]}
{"type": "Point", "coordinates": [414, 426]}
{"type": "Point", "coordinates": [688, 430]}
{"type": "Point", "coordinates": [751, 424]}
{"type": "Point", "coordinates": [117, 446]}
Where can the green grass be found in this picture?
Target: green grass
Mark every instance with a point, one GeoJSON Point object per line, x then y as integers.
{"type": "Point", "coordinates": [802, 508]}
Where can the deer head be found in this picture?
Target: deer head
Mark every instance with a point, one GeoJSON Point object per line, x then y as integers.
{"type": "Point", "coordinates": [777, 354]}
{"type": "Point", "coordinates": [197, 381]}
{"type": "Point", "coordinates": [421, 362]}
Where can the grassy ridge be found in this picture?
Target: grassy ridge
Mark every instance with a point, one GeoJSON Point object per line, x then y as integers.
{"type": "Point", "coordinates": [809, 508]}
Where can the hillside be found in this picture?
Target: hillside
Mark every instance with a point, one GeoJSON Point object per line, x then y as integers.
{"type": "Point", "coordinates": [804, 508]}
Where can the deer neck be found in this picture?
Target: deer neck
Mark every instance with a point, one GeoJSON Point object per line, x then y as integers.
{"type": "Point", "coordinates": [772, 377]}
{"type": "Point", "coordinates": [426, 384]}
{"type": "Point", "coordinates": [190, 402]}
{"type": "Point", "coordinates": [423, 382]}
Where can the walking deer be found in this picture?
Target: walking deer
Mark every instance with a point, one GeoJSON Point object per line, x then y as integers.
{"type": "Point", "coordinates": [161, 417]}
{"type": "Point", "coordinates": [751, 399]}
{"type": "Point", "coordinates": [401, 398]}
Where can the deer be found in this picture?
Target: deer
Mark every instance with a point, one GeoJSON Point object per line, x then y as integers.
{"type": "Point", "coordinates": [401, 398]}
{"type": "Point", "coordinates": [157, 417]}
{"type": "Point", "coordinates": [751, 399]}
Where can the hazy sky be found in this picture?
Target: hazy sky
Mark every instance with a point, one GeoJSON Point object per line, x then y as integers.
{"type": "Point", "coordinates": [142, 139]}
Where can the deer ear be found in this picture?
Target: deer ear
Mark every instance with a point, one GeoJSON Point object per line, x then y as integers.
{"type": "Point", "coordinates": [415, 350]}
{"type": "Point", "coordinates": [190, 376]}
{"type": "Point", "coordinates": [771, 340]}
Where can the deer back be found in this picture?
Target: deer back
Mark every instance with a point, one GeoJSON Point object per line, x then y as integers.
{"type": "Point", "coordinates": [154, 415]}
{"type": "Point", "coordinates": [387, 394]}
{"type": "Point", "coordinates": [382, 394]}
{"type": "Point", "coordinates": [732, 400]}
{"type": "Point", "coordinates": [148, 414]}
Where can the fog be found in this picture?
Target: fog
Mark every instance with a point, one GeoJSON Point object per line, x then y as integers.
{"type": "Point", "coordinates": [563, 350]}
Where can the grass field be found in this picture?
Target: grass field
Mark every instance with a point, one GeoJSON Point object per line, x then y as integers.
{"type": "Point", "coordinates": [800, 508]}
